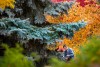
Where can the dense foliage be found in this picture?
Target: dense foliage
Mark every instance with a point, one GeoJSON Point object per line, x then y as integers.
{"type": "Point", "coordinates": [24, 31]}
{"type": "Point", "coordinates": [37, 24]}
{"type": "Point", "coordinates": [76, 13]}
{"type": "Point", "coordinates": [13, 57]}
{"type": "Point", "coordinates": [35, 9]}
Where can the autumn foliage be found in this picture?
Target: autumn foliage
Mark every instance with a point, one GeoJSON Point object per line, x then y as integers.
{"type": "Point", "coordinates": [6, 3]}
{"type": "Point", "coordinates": [58, 1]}
{"type": "Point", "coordinates": [83, 10]}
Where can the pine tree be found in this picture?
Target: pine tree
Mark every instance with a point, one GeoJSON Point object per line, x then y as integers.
{"type": "Point", "coordinates": [27, 25]}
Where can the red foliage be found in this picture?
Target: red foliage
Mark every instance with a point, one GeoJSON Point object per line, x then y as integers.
{"type": "Point", "coordinates": [83, 3]}
{"type": "Point", "coordinates": [58, 1]}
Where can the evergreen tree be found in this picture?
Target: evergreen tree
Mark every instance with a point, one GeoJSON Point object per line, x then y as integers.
{"type": "Point", "coordinates": [27, 25]}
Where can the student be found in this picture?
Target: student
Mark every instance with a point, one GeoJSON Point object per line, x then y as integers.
{"type": "Point", "coordinates": [68, 53]}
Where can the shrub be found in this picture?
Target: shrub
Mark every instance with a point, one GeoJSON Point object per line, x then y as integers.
{"type": "Point", "coordinates": [13, 57]}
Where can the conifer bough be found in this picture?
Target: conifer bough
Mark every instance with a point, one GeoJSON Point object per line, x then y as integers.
{"type": "Point", "coordinates": [25, 31]}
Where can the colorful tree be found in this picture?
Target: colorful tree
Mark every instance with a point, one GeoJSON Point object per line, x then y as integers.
{"type": "Point", "coordinates": [90, 13]}
{"type": "Point", "coordinates": [6, 3]}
